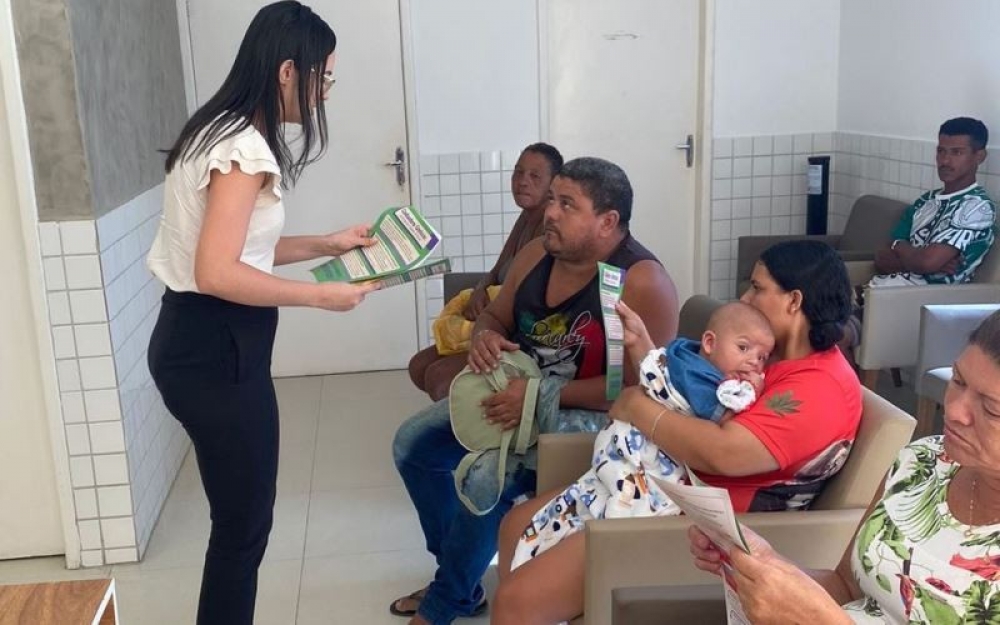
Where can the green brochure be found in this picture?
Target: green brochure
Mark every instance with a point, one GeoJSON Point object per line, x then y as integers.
{"type": "Point", "coordinates": [403, 241]}
{"type": "Point", "coordinates": [610, 281]}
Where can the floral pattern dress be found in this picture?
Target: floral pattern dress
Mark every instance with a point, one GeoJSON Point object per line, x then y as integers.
{"type": "Point", "coordinates": [916, 563]}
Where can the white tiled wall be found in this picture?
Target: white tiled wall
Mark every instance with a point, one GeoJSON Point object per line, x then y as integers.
{"type": "Point", "coordinates": [124, 447]}
{"type": "Point", "coordinates": [758, 187]}
{"type": "Point", "coordinates": [901, 169]}
{"type": "Point", "coordinates": [466, 197]}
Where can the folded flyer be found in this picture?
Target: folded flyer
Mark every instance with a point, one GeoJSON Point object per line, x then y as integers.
{"type": "Point", "coordinates": [610, 282]}
{"type": "Point", "coordinates": [711, 509]}
{"type": "Point", "coordinates": [433, 268]}
{"type": "Point", "coordinates": [403, 241]}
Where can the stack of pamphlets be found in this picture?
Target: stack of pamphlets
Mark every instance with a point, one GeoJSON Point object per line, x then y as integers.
{"type": "Point", "coordinates": [403, 243]}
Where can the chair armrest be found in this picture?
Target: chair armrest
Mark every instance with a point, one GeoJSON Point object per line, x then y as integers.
{"type": "Point", "coordinates": [859, 272]}
{"type": "Point", "coordinates": [944, 331]}
{"type": "Point", "coordinates": [892, 319]}
{"type": "Point", "coordinates": [666, 605]}
{"type": "Point", "coordinates": [654, 551]}
{"type": "Point", "coordinates": [459, 281]}
{"type": "Point", "coordinates": [749, 249]}
{"type": "Point", "coordinates": [563, 458]}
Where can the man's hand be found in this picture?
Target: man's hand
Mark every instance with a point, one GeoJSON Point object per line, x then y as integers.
{"type": "Point", "coordinates": [886, 261]}
{"type": "Point", "coordinates": [487, 346]}
{"type": "Point", "coordinates": [478, 301]}
{"type": "Point", "coordinates": [505, 407]}
{"type": "Point", "coordinates": [950, 267]}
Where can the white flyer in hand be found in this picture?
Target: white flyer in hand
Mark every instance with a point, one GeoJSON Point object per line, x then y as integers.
{"type": "Point", "coordinates": [711, 509]}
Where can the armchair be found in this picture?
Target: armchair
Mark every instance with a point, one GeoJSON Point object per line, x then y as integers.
{"type": "Point", "coordinates": [944, 330]}
{"type": "Point", "coordinates": [625, 553]}
{"type": "Point", "coordinates": [892, 317]}
{"type": "Point", "coordinates": [869, 227]}
{"type": "Point", "coordinates": [643, 553]}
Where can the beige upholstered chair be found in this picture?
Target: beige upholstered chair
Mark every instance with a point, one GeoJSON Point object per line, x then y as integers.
{"type": "Point", "coordinates": [651, 552]}
{"type": "Point", "coordinates": [944, 333]}
{"type": "Point", "coordinates": [869, 227]}
{"type": "Point", "coordinates": [892, 317]}
{"type": "Point", "coordinates": [625, 553]}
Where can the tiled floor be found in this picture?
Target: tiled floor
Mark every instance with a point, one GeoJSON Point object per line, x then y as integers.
{"type": "Point", "coordinates": [345, 540]}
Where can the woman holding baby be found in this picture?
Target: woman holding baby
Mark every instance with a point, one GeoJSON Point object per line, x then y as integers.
{"type": "Point", "coordinates": [774, 455]}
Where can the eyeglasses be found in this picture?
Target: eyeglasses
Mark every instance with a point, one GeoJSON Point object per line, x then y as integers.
{"type": "Point", "coordinates": [328, 81]}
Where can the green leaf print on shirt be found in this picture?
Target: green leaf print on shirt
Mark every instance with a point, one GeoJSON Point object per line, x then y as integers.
{"type": "Point", "coordinates": [980, 605]}
{"type": "Point", "coordinates": [873, 527]}
{"type": "Point", "coordinates": [921, 495]}
{"type": "Point", "coordinates": [986, 540]}
{"type": "Point", "coordinates": [783, 404]}
{"type": "Point", "coordinates": [935, 610]}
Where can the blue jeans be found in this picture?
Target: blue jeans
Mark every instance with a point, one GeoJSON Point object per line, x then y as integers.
{"type": "Point", "coordinates": [426, 453]}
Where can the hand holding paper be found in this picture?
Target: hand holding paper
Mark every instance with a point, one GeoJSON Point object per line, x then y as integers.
{"type": "Point", "coordinates": [716, 538]}
{"type": "Point", "coordinates": [395, 250]}
{"type": "Point", "coordinates": [637, 341]}
{"type": "Point", "coordinates": [343, 241]}
{"type": "Point", "coordinates": [774, 590]}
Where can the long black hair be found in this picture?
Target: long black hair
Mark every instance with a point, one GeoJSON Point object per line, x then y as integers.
{"type": "Point", "coordinates": [281, 31]}
{"type": "Point", "coordinates": [816, 270]}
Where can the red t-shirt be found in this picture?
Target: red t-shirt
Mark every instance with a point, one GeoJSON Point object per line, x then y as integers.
{"type": "Point", "coordinates": [807, 418]}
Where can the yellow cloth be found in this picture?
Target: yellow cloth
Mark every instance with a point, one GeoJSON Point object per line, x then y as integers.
{"type": "Point", "coordinates": [452, 331]}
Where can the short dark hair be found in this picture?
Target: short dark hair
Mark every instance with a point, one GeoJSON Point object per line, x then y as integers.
{"type": "Point", "coordinates": [605, 184]}
{"type": "Point", "coordinates": [976, 130]}
{"type": "Point", "coordinates": [987, 336]}
{"type": "Point", "coordinates": [817, 271]}
{"type": "Point", "coordinates": [549, 153]}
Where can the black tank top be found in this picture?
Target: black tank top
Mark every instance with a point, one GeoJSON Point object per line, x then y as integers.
{"type": "Point", "coordinates": [567, 339]}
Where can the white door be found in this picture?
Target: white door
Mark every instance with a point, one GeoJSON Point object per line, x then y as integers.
{"type": "Point", "coordinates": [350, 184]}
{"type": "Point", "coordinates": [624, 84]}
{"type": "Point", "coordinates": [30, 522]}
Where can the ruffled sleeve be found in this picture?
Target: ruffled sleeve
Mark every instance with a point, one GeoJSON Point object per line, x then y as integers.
{"type": "Point", "coordinates": [249, 149]}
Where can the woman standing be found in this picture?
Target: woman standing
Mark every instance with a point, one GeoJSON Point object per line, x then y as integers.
{"type": "Point", "coordinates": [219, 238]}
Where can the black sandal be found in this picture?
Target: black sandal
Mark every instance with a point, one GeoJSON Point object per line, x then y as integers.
{"type": "Point", "coordinates": [418, 595]}
{"type": "Point", "coordinates": [415, 596]}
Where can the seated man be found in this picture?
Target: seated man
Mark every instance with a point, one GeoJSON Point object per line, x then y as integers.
{"type": "Point", "coordinates": [944, 235]}
{"type": "Point", "coordinates": [433, 372]}
{"type": "Point", "coordinates": [549, 307]}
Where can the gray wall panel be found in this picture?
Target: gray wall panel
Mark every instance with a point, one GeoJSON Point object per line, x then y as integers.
{"type": "Point", "coordinates": [62, 186]}
{"type": "Point", "coordinates": [130, 85]}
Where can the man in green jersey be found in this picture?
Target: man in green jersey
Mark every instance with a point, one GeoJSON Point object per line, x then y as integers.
{"type": "Point", "coordinates": [944, 235]}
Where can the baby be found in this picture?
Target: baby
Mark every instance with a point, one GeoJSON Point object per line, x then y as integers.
{"type": "Point", "coordinates": [710, 380]}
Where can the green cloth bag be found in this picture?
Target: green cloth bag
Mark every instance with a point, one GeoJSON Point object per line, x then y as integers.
{"type": "Point", "coordinates": [465, 398]}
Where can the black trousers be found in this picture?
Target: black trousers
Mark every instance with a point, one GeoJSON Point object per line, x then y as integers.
{"type": "Point", "coordinates": [211, 361]}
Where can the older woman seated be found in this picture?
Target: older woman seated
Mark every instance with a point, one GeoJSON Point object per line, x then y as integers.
{"type": "Point", "coordinates": [774, 456]}
{"type": "Point", "coordinates": [928, 550]}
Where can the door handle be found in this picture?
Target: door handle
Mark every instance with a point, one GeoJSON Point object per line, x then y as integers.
{"type": "Point", "coordinates": [400, 165]}
{"type": "Point", "coordinates": [689, 148]}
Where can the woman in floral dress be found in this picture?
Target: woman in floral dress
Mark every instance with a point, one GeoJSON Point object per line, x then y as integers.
{"type": "Point", "coordinates": [928, 550]}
